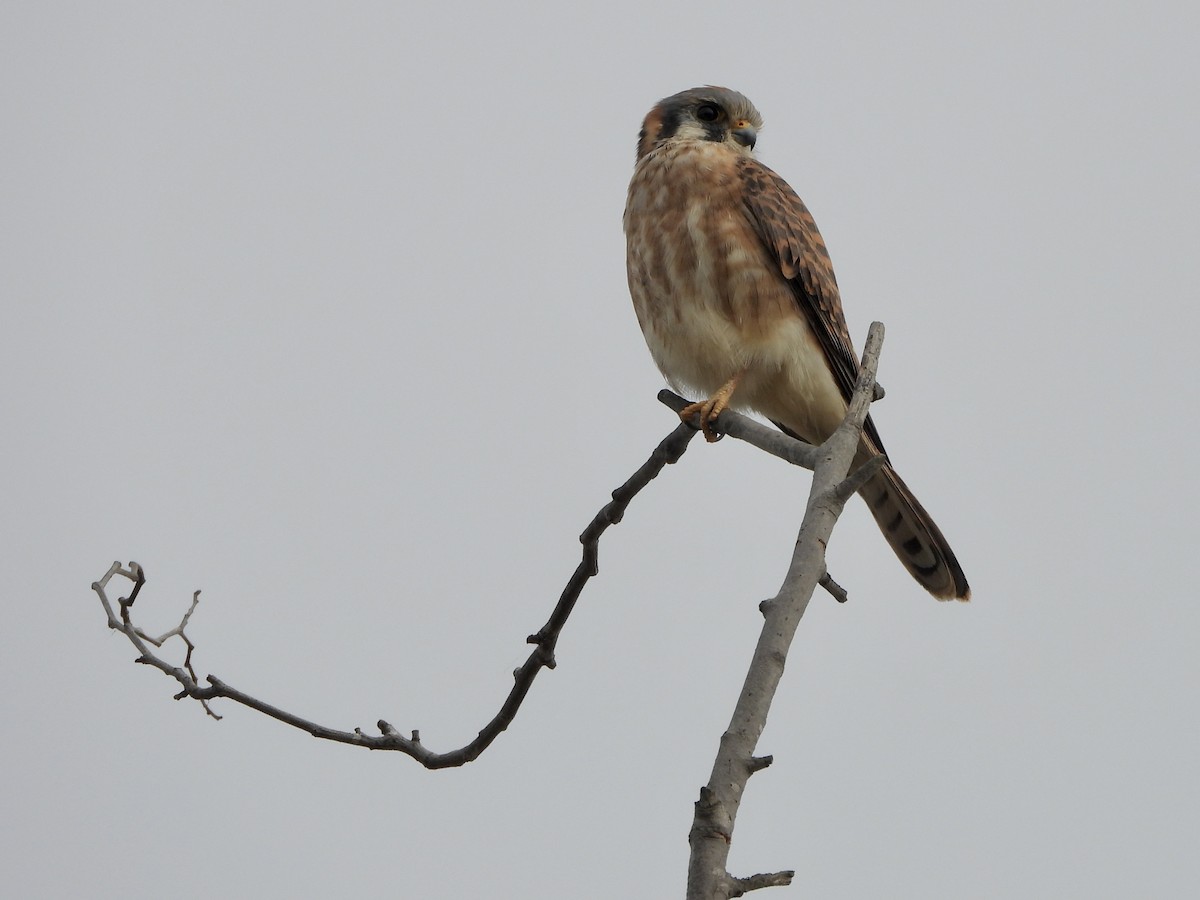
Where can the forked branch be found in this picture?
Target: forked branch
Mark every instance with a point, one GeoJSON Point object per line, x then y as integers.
{"type": "Point", "coordinates": [716, 811]}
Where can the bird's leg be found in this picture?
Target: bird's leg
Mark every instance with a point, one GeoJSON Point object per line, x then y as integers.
{"type": "Point", "coordinates": [711, 408]}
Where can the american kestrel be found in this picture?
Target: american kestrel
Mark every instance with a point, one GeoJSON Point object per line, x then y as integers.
{"type": "Point", "coordinates": [735, 293]}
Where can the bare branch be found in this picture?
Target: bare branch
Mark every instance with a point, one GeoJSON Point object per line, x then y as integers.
{"type": "Point", "coordinates": [187, 675]}
{"type": "Point", "coordinates": [758, 763]}
{"type": "Point", "coordinates": [856, 480]}
{"type": "Point", "coordinates": [756, 434]}
{"type": "Point", "coordinates": [542, 656]}
{"type": "Point", "coordinates": [740, 886]}
{"type": "Point", "coordinates": [716, 811]}
{"type": "Point", "coordinates": [836, 590]}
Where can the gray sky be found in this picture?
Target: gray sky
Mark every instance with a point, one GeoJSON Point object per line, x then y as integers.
{"type": "Point", "coordinates": [323, 312]}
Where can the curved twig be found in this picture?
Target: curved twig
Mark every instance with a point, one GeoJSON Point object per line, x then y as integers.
{"type": "Point", "coordinates": [541, 657]}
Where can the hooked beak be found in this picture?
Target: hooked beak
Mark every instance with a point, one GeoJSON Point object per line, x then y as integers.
{"type": "Point", "coordinates": [746, 136]}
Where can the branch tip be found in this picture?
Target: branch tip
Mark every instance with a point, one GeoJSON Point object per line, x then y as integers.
{"type": "Point", "coordinates": [758, 763]}
{"type": "Point", "coordinates": [835, 590]}
{"type": "Point", "coordinates": [742, 886]}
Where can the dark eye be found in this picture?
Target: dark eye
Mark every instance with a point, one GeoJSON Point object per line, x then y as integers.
{"type": "Point", "coordinates": [707, 112]}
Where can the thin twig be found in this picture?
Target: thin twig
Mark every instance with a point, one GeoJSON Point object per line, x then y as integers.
{"type": "Point", "coordinates": [754, 433]}
{"type": "Point", "coordinates": [542, 656]}
{"type": "Point", "coordinates": [139, 638]}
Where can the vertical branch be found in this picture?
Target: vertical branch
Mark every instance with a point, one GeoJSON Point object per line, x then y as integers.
{"type": "Point", "coordinates": [717, 808]}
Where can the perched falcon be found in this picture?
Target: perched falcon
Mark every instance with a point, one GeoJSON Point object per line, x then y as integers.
{"type": "Point", "coordinates": [735, 293]}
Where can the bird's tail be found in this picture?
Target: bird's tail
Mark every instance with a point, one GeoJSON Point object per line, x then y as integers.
{"type": "Point", "coordinates": [911, 531]}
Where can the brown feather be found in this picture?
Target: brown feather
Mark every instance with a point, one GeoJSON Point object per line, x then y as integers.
{"type": "Point", "coordinates": [789, 231]}
{"type": "Point", "coordinates": [731, 278]}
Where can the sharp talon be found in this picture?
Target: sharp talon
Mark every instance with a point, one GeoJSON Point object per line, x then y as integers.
{"type": "Point", "coordinates": [710, 410]}
{"type": "Point", "coordinates": [688, 412]}
{"type": "Point", "coordinates": [713, 407]}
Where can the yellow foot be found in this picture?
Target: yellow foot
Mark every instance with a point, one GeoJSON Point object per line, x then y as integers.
{"type": "Point", "coordinates": [711, 408]}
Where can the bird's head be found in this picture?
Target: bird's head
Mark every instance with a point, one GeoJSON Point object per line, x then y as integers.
{"type": "Point", "coordinates": [702, 114]}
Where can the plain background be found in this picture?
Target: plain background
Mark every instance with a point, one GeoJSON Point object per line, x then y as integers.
{"type": "Point", "coordinates": [321, 309]}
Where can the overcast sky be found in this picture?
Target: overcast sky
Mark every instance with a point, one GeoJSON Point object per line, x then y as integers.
{"type": "Point", "coordinates": [321, 309]}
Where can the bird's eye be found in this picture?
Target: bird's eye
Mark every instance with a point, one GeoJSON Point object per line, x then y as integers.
{"type": "Point", "coordinates": [707, 112]}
